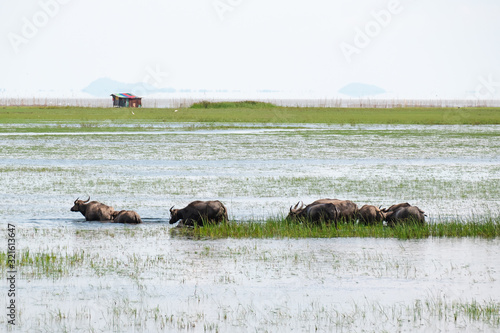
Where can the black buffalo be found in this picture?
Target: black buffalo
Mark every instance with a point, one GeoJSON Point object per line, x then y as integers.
{"type": "Point", "coordinates": [370, 215]}
{"type": "Point", "coordinates": [396, 207]}
{"type": "Point", "coordinates": [403, 213]}
{"type": "Point", "coordinates": [93, 210]}
{"type": "Point", "coordinates": [126, 216]}
{"type": "Point", "coordinates": [348, 210]}
{"type": "Point", "coordinates": [326, 212]}
{"type": "Point", "coordinates": [199, 212]}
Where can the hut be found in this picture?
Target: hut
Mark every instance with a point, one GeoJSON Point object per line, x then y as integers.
{"type": "Point", "coordinates": [126, 100]}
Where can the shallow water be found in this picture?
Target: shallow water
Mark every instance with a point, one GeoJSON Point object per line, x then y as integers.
{"type": "Point", "coordinates": [140, 278]}
{"type": "Point", "coordinates": [258, 172]}
{"type": "Point", "coordinates": [108, 277]}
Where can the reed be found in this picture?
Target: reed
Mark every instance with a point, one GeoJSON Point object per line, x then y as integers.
{"type": "Point", "coordinates": [41, 264]}
{"type": "Point", "coordinates": [488, 227]}
{"type": "Point", "coordinates": [488, 311]}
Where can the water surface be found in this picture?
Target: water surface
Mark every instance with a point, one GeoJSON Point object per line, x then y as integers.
{"type": "Point", "coordinates": [258, 172]}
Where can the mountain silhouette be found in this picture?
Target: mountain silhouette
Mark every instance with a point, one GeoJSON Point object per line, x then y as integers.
{"type": "Point", "coordinates": [104, 87]}
{"type": "Point", "coordinates": [357, 89]}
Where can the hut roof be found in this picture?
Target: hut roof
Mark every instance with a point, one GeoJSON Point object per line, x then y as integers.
{"type": "Point", "coordinates": [125, 95]}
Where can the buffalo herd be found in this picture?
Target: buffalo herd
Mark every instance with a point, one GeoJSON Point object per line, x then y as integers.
{"type": "Point", "coordinates": [320, 211]}
{"type": "Point", "coordinates": [96, 211]}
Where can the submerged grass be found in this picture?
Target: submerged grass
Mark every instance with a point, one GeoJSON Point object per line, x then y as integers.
{"type": "Point", "coordinates": [40, 264]}
{"type": "Point", "coordinates": [488, 312]}
{"type": "Point", "coordinates": [110, 279]}
{"type": "Point", "coordinates": [282, 228]}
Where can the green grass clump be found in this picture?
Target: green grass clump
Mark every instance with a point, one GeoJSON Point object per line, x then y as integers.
{"type": "Point", "coordinates": [44, 264]}
{"type": "Point", "coordinates": [488, 312]}
{"type": "Point", "coordinates": [282, 228]}
{"type": "Point", "coordinates": [230, 105]}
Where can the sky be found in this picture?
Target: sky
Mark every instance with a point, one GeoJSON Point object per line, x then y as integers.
{"type": "Point", "coordinates": [444, 49]}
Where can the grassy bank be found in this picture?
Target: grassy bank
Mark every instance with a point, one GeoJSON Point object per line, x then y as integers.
{"type": "Point", "coordinates": [252, 113]}
{"type": "Point", "coordinates": [487, 228]}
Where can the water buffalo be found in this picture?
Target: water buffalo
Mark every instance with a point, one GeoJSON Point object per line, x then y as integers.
{"type": "Point", "coordinates": [396, 207]}
{"type": "Point", "coordinates": [404, 213]}
{"type": "Point", "coordinates": [348, 210]}
{"type": "Point", "coordinates": [326, 212]}
{"type": "Point", "coordinates": [126, 216]}
{"type": "Point", "coordinates": [93, 210]}
{"type": "Point", "coordinates": [370, 215]}
{"type": "Point", "coordinates": [198, 212]}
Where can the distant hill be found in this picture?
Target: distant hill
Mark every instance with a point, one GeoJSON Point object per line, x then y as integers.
{"type": "Point", "coordinates": [357, 89]}
{"type": "Point", "coordinates": [103, 87]}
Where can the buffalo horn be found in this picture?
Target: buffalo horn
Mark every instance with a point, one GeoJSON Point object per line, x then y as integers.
{"type": "Point", "coordinates": [87, 200]}
{"type": "Point", "coordinates": [171, 209]}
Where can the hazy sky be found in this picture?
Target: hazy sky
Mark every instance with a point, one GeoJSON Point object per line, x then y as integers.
{"type": "Point", "coordinates": [407, 48]}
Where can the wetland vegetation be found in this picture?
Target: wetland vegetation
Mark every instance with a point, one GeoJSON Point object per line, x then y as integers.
{"type": "Point", "coordinates": [122, 278]}
{"type": "Point", "coordinates": [281, 228]}
{"type": "Point", "coordinates": [91, 119]}
{"type": "Point", "coordinates": [256, 273]}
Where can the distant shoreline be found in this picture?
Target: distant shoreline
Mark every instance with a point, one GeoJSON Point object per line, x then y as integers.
{"type": "Point", "coordinates": [251, 113]}
{"type": "Point", "coordinates": [184, 102]}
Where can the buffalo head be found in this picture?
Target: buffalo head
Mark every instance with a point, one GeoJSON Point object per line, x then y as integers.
{"type": "Point", "coordinates": [295, 211]}
{"type": "Point", "coordinates": [381, 215]}
{"type": "Point", "coordinates": [174, 215]}
{"type": "Point", "coordinates": [78, 204]}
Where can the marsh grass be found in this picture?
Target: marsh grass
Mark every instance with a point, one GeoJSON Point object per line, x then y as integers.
{"type": "Point", "coordinates": [282, 228]}
{"type": "Point", "coordinates": [487, 311]}
{"type": "Point", "coordinates": [124, 286]}
{"type": "Point", "coordinates": [251, 112]}
{"type": "Point", "coordinates": [229, 105]}
{"type": "Point", "coordinates": [40, 264]}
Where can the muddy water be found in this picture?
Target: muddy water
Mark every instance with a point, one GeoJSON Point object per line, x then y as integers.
{"type": "Point", "coordinates": [257, 171]}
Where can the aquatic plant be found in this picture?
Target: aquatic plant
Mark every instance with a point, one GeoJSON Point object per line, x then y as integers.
{"type": "Point", "coordinates": [488, 227]}
{"type": "Point", "coordinates": [123, 278]}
